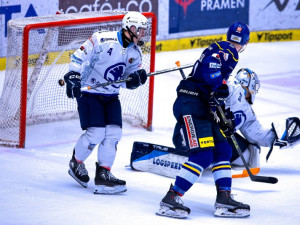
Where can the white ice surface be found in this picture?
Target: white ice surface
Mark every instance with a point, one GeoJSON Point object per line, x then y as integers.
{"type": "Point", "coordinates": [35, 187]}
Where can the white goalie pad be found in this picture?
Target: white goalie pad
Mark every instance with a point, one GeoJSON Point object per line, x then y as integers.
{"type": "Point", "coordinates": [157, 159]}
{"type": "Point", "coordinates": [252, 157]}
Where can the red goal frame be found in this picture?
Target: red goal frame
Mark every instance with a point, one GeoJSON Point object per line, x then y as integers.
{"type": "Point", "coordinates": [25, 46]}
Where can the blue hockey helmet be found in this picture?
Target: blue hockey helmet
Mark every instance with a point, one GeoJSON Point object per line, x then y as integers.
{"type": "Point", "coordinates": [239, 33]}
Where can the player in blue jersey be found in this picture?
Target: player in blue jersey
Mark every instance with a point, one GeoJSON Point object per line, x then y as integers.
{"type": "Point", "coordinates": [105, 56]}
{"type": "Point", "coordinates": [197, 98]}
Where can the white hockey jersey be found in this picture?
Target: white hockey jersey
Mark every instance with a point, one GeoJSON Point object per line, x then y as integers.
{"type": "Point", "coordinates": [245, 118]}
{"type": "Point", "coordinates": [102, 58]}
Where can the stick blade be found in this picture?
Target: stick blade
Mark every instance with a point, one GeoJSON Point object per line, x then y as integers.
{"type": "Point", "coordinates": [269, 180]}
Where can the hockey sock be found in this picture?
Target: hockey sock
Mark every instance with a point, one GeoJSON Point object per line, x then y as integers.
{"type": "Point", "coordinates": [87, 142]}
{"type": "Point", "coordinates": [107, 150]}
{"type": "Point", "coordinates": [221, 167]}
{"type": "Point", "coordinates": [187, 176]}
{"type": "Point", "coordinates": [222, 173]}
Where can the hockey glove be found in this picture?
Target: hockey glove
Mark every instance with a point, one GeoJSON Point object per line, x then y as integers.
{"type": "Point", "coordinates": [218, 97]}
{"type": "Point", "coordinates": [72, 80]}
{"type": "Point", "coordinates": [143, 75]}
{"type": "Point", "coordinates": [138, 78]}
{"type": "Point", "coordinates": [228, 126]}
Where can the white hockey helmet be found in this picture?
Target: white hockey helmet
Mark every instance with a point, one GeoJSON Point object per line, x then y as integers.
{"type": "Point", "coordinates": [249, 79]}
{"type": "Point", "coordinates": [134, 19]}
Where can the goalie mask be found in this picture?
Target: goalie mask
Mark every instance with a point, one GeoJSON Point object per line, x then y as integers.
{"type": "Point", "coordinates": [249, 79]}
{"type": "Point", "coordinates": [140, 24]}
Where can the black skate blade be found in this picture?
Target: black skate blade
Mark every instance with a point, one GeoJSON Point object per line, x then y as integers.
{"type": "Point", "coordinates": [83, 184]}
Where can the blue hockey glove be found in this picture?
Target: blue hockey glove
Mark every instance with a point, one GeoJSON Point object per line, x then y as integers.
{"type": "Point", "coordinates": [218, 97]}
{"type": "Point", "coordinates": [138, 78]}
{"type": "Point", "coordinates": [72, 80]}
{"type": "Point", "coordinates": [143, 75]}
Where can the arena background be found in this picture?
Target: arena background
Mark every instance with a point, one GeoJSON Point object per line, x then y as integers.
{"type": "Point", "coordinates": [182, 24]}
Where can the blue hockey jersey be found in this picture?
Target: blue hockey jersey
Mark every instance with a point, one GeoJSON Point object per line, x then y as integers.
{"type": "Point", "coordinates": [214, 65]}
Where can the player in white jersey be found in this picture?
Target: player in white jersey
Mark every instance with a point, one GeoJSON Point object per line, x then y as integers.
{"type": "Point", "coordinates": [243, 88]}
{"type": "Point", "coordinates": [105, 56]}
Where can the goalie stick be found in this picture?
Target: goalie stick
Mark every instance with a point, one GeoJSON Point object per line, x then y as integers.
{"type": "Point", "coordinates": [256, 178]}
{"type": "Point", "coordinates": [62, 83]}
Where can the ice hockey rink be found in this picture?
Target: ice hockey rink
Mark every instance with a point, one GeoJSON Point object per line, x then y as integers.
{"type": "Point", "coordinates": [35, 187]}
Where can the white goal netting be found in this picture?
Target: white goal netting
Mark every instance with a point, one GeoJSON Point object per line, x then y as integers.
{"type": "Point", "coordinates": [45, 58]}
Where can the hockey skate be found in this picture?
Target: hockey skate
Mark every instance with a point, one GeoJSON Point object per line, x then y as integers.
{"type": "Point", "coordinates": [78, 172]}
{"type": "Point", "coordinates": [106, 183]}
{"type": "Point", "coordinates": [172, 206]}
{"type": "Point", "coordinates": [227, 207]}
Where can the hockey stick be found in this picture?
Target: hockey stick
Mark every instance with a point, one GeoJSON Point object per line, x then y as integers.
{"type": "Point", "coordinates": [256, 178]}
{"type": "Point", "coordinates": [62, 83]}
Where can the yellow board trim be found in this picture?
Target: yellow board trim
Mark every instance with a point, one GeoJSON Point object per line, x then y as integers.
{"type": "Point", "coordinates": [205, 41]}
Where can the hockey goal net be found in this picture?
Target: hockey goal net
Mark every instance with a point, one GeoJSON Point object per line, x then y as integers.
{"type": "Point", "coordinates": [38, 55]}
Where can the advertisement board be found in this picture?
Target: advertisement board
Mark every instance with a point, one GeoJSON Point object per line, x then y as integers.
{"type": "Point", "coordinates": [274, 14]}
{"type": "Point", "coordinates": [192, 15]}
{"type": "Point", "coordinates": [12, 9]}
{"type": "Point", "coordinates": [181, 23]}
{"type": "Point", "coordinates": [73, 6]}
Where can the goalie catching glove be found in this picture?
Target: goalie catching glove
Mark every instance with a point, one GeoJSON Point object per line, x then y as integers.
{"type": "Point", "coordinates": [73, 82]}
{"type": "Point", "coordinates": [288, 137]}
{"type": "Point", "coordinates": [138, 78]}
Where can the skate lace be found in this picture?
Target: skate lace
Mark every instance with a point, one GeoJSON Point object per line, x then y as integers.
{"type": "Point", "coordinates": [110, 176]}
{"type": "Point", "coordinates": [81, 169]}
{"type": "Point", "coordinates": [177, 199]}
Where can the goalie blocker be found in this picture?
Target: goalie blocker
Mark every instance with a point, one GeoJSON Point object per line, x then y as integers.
{"type": "Point", "coordinates": [167, 161]}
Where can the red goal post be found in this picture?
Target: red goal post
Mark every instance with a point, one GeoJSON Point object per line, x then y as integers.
{"type": "Point", "coordinates": [23, 112]}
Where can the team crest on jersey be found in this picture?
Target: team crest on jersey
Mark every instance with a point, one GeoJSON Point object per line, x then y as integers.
{"type": "Point", "coordinates": [114, 72]}
{"type": "Point", "coordinates": [239, 119]}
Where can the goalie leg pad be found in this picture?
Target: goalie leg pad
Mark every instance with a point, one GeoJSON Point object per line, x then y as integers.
{"type": "Point", "coordinates": [158, 159]}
